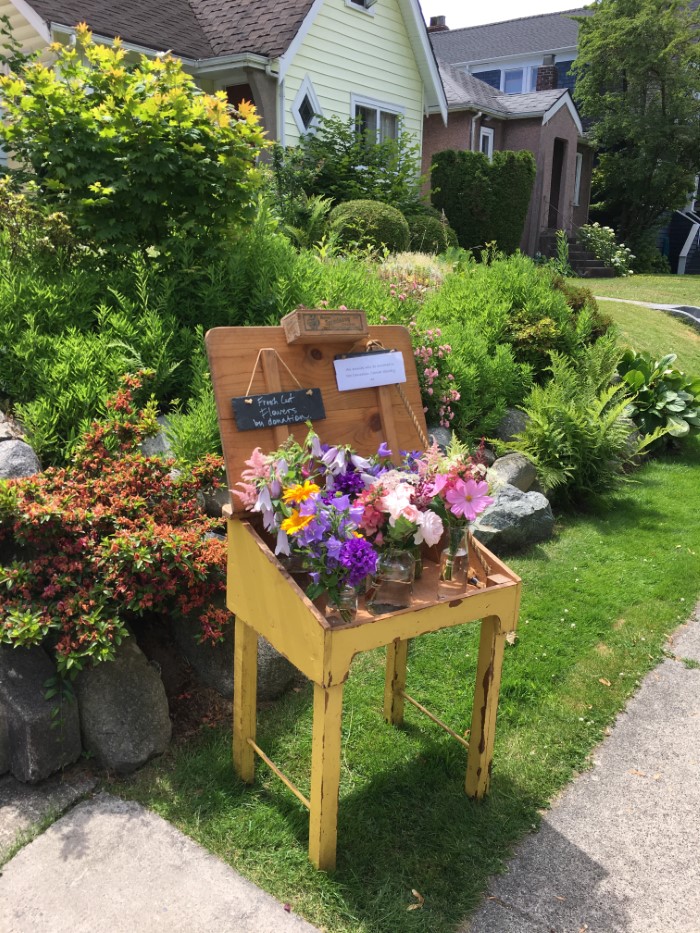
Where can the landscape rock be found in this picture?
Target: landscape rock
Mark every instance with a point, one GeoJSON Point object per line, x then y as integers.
{"type": "Point", "coordinates": [4, 743]}
{"type": "Point", "coordinates": [123, 710]}
{"type": "Point", "coordinates": [275, 673]}
{"type": "Point", "coordinates": [213, 664]}
{"type": "Point", "coordinates": [514, 469]}
{"type": "Point", "coordinates": [40, 742]}
{"type": "Point", "coordinates": [441, 436]}
{"type": "Point", "coordinates": [9, 430]}
{"type": "Point", "coordinates": [514, 421]}
{"type": "Point", "coordinates": [158, 445]}
{"type": "Point", "coordinates": [211, 501]}
{"type": "Point", "coordinates": [17, 459]}
{"type": "Point", "coordinates": [515, 520]}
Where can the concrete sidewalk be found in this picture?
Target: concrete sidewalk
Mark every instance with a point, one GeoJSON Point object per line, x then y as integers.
{"type": "Point", "coordinates": [688, 313]}
{"type": "Point", "coordinates": [619, 850]}
{"type": "Point", "coordinates": [110, 866]}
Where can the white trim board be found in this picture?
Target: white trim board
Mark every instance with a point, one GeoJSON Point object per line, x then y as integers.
{"type": "Point", "coordinates": [564, 101]}
{"type": "Point", "coordinates": [35, 20]}
{"type": "Point", "coordinates": [306, 89]}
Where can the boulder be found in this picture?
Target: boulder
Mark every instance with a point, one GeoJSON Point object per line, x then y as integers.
{"type": "Point", "coordinates": [515, 520]}
{"type": "Point", "coordinates": [17, 459]}
{"type": "Point", "coordinates": [513, 422]}
{"type": "Point", "coordinates": [211, 501]}
{"type": "Point", "coordinates": [4, 743]}
{"type": "Point", "coordinates": [158, 445]}
{"type": "Point", "coordinates": [9, 430]}
{"type": "Point", "coordinates": [441, 436]}
{"type": "Point", "coordinates": [123, 710]}
{"type": "Point", "coordinates": [213, 664]}
{"type": "Point", "coordinates": [514, 469]}
{"type": "Point", "coordinates": [44, 735]}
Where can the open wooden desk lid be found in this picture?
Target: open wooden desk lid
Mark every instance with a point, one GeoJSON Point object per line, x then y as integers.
{"type": "Point", "coordinates": [362, 418]}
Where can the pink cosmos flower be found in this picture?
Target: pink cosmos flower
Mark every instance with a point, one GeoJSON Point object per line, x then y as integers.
{"type": "Point", "coordinates": [439, 484]}
{"type": "Point", "coordinates": [468, 499]}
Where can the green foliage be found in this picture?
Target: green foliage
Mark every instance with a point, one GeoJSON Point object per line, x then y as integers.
{"type": "Point", "coordinates": [579, 431]}
{"type": "Point", "coordinates": [664, 397]}
{"type": "Point", "coordinates": [136, 156]}
{"type": "Point", "coordinates": [602, 243]}
{"type": "Point", "coordinates": [369, 224]}
{"type": "Point", "coordinates": [560, 264]}
{"type": "Point", "coordinates": [485, 201]}
{"type": "Point", "coordinates": [26, 231]}
{"type": "Point", "coordinates": [429, 234]}
{"type": "Point", "coordinates": [194, 432]}
{"type": "Point", "coordinates": [638, 80]}
{"type": "Point", "coordinates": [341, 162]}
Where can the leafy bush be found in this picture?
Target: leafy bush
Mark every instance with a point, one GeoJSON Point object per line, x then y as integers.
{"type": "Point", "coordinates": [430, 234]}
{"type": "Point", "coordinates": [111, 537]}
{"type": "Point", "coordinates": [579, 432]}
{"type": "Point", "coordinates": [194, 432]}
{"type": "Point", "coordinates": [435, 377]}
{"type": "Point", "coordinates": [602, 243]}
{"type": "Point", "coordinates": [664, 397]}
{"type": "Point", "coordinates": [135, 155]}
{"type": "Point", "coordinates": [341, 162]}
{"type": "Point", "coordinates": [485, 201]}
{"type": "Point", "coordinates": [369, 224]}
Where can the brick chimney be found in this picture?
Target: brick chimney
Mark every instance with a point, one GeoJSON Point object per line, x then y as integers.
{"type": "Point", "coordinates": [437, 24]}
{"type": "Point", "coordinates": [547, 75]}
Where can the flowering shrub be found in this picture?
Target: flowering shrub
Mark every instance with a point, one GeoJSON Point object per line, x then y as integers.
{"type": "Point", "coordinates": [110, 537]}
{"type": "Point", "coordinates": [602, 243]}
{"type": "Point", "coordinates": [436, 381]}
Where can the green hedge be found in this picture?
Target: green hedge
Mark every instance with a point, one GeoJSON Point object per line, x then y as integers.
{"type": "Point", "coordinates": [369, 223]}
{"type": "Point", "coordinates": [484, 201]}
{"type": "Point", "coordinates": [430, 235]}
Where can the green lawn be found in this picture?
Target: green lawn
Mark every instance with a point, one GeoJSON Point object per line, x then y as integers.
{"type": "Point", "coordinates": [658, 333]}
{"type": "Point", "coordinates": [663, 289]}
{"type": "Point", "coordinates": [598, 603]}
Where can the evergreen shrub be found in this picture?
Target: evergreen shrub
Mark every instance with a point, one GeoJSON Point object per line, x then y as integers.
{"type": "Point", "coordinates": [484, 201]}
{"type": "Point", "coordinates": [429, 234]}
{"type": "Point", "coordinates": [369, 224]}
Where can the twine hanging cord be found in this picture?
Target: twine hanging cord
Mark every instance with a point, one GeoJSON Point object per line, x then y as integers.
{"type": "Point", "coordinates": [279, 358]}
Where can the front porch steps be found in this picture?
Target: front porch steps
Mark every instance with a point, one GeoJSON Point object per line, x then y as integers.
{"type": "Point", "coordinates": [582, 262]}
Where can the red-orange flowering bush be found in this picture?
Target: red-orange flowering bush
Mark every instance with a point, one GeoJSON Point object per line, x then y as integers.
{"type": "Point", "coordinates": [109, 538]}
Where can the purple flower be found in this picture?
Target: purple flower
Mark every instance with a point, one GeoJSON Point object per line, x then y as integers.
{"type": "Point", "coordinates": [383, 450]}
{"type": "Point", "coordinates": [334, 547]}
{"type": "Point", "coordinates": [282, 546]}
{"type": "Point", "coordinates": [349, 482]}
{"type": "Point", "coordinates": [359, 558]}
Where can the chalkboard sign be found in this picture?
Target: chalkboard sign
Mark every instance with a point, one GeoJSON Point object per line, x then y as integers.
{"type": "Point", "coordinates": [278, 408]}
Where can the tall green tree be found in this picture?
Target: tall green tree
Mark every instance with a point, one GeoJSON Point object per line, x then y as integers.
{"type": "Point", "coordinates": [638, 80]}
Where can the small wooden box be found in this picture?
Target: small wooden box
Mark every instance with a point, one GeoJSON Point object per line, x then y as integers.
{"type": "Point", "coordinates": [307, 325]}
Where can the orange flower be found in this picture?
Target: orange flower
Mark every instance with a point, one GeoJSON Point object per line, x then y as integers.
{"type": "Point", "coordinates": [295, 522]}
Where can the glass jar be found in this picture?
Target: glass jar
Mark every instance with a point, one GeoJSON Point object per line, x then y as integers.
{"type": "Point", "coordinates": [392, 586]}
{"type": "Point", "coordinates": [454, 563]}
{"type": "Point", "coordinates": [342, 607]}
{"type": "Point", "coordinates": [417, 552]}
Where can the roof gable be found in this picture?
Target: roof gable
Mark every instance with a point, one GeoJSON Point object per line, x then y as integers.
{"type": "Point", "coordinates": [526, 36]}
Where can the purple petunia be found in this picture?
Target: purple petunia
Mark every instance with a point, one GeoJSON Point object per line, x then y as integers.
{"type": "Point", "coordinates": [359, 558]}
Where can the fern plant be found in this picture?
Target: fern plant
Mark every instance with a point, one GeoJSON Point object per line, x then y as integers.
{"type": "Point", "coordinates": [579, 434]}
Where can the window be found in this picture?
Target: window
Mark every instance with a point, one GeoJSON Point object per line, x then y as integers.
{"type": "Point", "coordinates": [365, 5]}
{"type": "Point", "coordinates": [513, 81]}
{"type": "Point", "coordinates": [565, 77]}
{"type": "Point", "coordinates": [490, 77]}
{"type": "Point", "coordinates": [377, 121]}
{"type": "Point", "coordinates": [577, 182]}
{"type": "Point", "coordinates": [306, 107]}
{"type": "Point", "coordinates": [486, 142]}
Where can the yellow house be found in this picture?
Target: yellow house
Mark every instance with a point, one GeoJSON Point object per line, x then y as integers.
{"type": "Point", "coordinates": [295, 59]}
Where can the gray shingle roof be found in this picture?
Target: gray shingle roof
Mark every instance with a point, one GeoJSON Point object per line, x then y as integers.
{"type": "Point", "coordinates": [464, 91]}
{"type": "Point", "coordinates": [526, 36]}
{"type": "Point", "coordinates": [192, 28]}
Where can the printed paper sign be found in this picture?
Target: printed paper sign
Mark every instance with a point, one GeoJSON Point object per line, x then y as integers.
{"type": "Point", "coordinates": [367, 370]}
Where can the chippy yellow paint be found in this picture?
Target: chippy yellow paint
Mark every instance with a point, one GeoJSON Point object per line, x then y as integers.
{"type": "Point", "coordinates": [348, 50]}
{"type": "Point", "coordinates": [273, 606]}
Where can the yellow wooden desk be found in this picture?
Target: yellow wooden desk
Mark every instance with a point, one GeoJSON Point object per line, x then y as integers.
{"type": "Point", "coordinates": [266, 600]}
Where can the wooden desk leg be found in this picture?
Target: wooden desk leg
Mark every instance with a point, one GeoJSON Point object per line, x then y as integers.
{"type": "Point", "coordinates": [325, 776]}
{"type": "Point", "coordinates": [488, 683]}
{"type": "Point", "coordinates": [245, 683]}
{"type": "Point", "coordinates": [395, 683]}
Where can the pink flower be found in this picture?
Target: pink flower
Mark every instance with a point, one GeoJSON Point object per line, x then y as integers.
{"type": "Point", "coordinates": [439, 484]}
{"type": "Point", "coordinates": [468, 499]}
{"type": "Point", "coordinates": [397, 500]}
{"type": "Point", "coordinates": [430, 529]}
{"type": "Point", "coordinates": [411, 514]}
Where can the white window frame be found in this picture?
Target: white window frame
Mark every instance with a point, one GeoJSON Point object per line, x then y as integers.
{"type": "Point", "coordinates": [486, 132]}
{"type": "Point", "coordinates": [371, 103]}
{"type": "Point", "coordinates": [306, 90]}
{"type": "Point", "coordinates": [577, 179]}
{"type": "Point", "coordinates": [360, 6]}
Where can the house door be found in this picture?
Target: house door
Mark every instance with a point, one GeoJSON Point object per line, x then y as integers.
{"type": "Point", "coordinates": [555, 220]}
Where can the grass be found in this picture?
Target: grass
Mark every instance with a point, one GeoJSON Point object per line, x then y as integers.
{"type": "Point", "coordinates": [599, 601]}
{"type": "Point", "coordinates": [658, 333]}
{"type": "Point", "coordinates": [663, 289]}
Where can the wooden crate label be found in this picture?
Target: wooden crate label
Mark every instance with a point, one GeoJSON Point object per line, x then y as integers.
{"type": "Point", "coordinates": [278, 408]}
